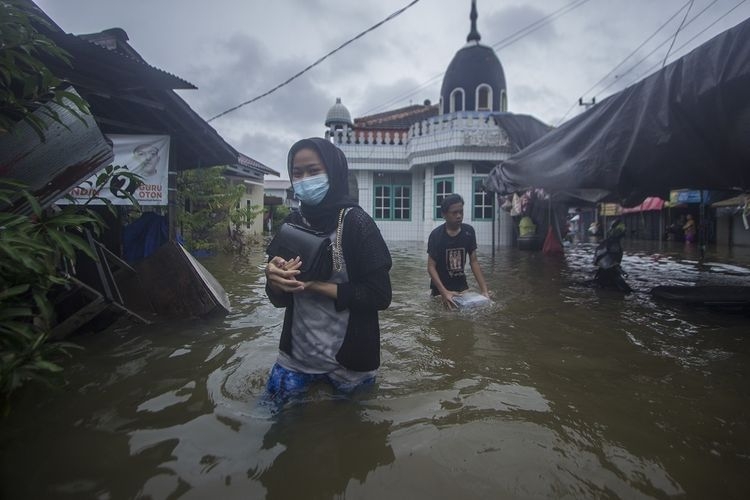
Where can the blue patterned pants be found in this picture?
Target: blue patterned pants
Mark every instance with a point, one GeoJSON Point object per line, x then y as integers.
{"type": "Point", "coordinates": [284, 385]}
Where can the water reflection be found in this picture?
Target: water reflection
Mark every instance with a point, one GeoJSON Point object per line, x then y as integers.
{"type": "Point", "coordinates": [327, 445]}
{"type": "Point", "coordinates": [558, 389]}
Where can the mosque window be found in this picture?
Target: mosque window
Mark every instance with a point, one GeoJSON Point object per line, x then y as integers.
{"type": "Point", "coordinates": [392, 196]}
{"type": "Point", "coordinates": [484, 98]}
{"type": "Point", "coordinates": [457, 100]}
{"type": "Point", "coordinates": [503, 101]}
{"type": "Point", "coordinates": [482, 204]}
{"type": "Point", "coordinates": [443, 187]}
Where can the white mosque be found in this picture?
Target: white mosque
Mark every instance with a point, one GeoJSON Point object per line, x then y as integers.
{"type": "Point", "coordinates": [403, 162]}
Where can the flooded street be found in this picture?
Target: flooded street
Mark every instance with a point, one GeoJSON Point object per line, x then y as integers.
{"type": "Point", "coordinates": [558, 390]}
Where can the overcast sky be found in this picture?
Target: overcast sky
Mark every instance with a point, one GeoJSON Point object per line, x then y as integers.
{"type": "Point", "coordinates": [234, 50]}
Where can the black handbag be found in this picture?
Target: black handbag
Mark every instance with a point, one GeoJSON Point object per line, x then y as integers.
{"type": "Point", "coordinates": [313, 247]}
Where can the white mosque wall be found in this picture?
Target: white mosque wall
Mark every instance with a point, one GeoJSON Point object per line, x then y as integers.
{"type": "Point", "coordinates": [458, 138]}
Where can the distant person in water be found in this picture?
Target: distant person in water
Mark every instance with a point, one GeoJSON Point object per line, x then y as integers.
{"type": "Point", "coordinates": [449, 246]}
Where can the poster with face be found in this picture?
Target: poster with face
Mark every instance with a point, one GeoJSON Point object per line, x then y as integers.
{"type": "Point", "coordinates": [145, 155]}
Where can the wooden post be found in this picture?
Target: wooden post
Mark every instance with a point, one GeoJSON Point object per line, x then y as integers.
{"type": "Point", "coordinates": [172, 204]}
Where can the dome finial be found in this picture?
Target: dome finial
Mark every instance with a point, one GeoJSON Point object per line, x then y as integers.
{"type": "Point", "coordinates": [338, 115]}
{"type": "Point", "coordinates": [473, 34]}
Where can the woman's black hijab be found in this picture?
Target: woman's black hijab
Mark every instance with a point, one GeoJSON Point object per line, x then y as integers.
{"type": "Point", "coordinates": [324, 216]}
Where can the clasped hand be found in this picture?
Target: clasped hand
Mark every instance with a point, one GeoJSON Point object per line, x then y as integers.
{"type": "Point", "coordinates": [282, 274]}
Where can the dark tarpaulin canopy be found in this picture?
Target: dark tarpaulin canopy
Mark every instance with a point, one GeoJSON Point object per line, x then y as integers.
{"type": "Point", "coordinates": [685, 126]}
{"type": "Point", "coordinates": [522, 130]}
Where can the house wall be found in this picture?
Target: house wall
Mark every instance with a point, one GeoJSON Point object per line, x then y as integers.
{"type": "Point", "coordinates": [393, 230]}
{"type": "Point", "coordinates": [254, 198]}
{"type": "Point", "coordinates": [463, 185]}
{"type": "Point", "coordinates": [282, 193]}
{"type": "Point", "coordinates": [423, 220]}
{"type": "Point", "coordinates": [461, 139]}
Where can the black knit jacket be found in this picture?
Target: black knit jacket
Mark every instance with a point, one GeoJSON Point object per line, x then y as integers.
{"type": "Point", "coordinates": [368, 291]}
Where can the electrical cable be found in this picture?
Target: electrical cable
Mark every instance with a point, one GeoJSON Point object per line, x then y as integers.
{"type": "Point", "coordinates": [676, 33]}
{"type": "Point", "coordinates": [320, 60]}
{"type": "Point", "coordinates": [402, 96]}
{"type": "Point", "coordinates": [626, 58]}
{"type": "Point", "coordinates": [505, 42]}
{"type": "Point", "coordinates": [541, 22]}
{"type": "Point", "coordinates": [699, 34]}
{"type": "Point", "coordinates": [660, 46]}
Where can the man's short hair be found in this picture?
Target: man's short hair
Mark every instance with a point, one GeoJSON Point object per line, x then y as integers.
{"type": "Point", "coordinates": [449, 200]}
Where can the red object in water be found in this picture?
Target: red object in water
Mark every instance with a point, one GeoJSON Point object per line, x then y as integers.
{"type": "Point", "coordinates": [551, 244]}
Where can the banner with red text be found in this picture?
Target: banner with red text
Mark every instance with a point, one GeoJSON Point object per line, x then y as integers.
{"type": "Point", "coordinates": [145, 155]}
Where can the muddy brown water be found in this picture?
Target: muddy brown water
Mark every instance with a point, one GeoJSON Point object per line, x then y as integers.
{"type": "Point", "coordinates": [559, 390]}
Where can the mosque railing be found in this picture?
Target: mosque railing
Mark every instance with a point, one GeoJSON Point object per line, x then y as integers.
{"type": "Point", "coordinates": [472, 128]}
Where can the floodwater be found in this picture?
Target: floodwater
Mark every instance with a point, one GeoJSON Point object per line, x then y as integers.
{"type": "Point", "coordinates": [558, 390]}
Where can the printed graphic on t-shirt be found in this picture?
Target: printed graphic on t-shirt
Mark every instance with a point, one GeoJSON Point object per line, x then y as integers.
{"type": "Point", "coordinates": [455, 261]}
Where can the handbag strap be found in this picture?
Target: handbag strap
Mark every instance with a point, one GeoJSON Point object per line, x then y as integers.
{"type": "Point", "coordinates": [338, 254]}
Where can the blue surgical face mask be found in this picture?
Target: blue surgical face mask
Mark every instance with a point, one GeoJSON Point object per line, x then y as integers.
{"type": "Point", "coordinates": [311, 190]}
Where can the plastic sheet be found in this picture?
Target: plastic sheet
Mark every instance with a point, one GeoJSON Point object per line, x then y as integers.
{"type": "Point", "coordinates": [687, 126]}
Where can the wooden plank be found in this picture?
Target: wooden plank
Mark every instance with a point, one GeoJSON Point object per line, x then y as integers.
{"type": "Point", "coordinates": [78, 319]}
{"type": "Point", "coordinates": [178, 286]}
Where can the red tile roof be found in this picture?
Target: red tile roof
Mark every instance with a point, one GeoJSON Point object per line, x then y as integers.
{"type": "Point", "coordinates": [397, 119]}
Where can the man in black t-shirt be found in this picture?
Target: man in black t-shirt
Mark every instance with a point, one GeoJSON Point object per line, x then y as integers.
{"type": "Point", "coordinates": [448, 247]}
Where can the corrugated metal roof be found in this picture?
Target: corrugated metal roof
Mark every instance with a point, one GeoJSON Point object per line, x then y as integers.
{"type": "Point", "coordinates": [246, 161]}
{"type": "Point", "coordinates": [73, 148]}
{"type": "Point", "coordinates": [126, 71]}
{"type": "Point", "coordinates": [128, 96]}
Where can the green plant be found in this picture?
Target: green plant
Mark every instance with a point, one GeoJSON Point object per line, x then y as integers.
{"type": "Point", "coordinates": [32, 249]}
{"type": "Point", "coordinates": [26, 83]}
{"type": "Point", "coordinates": [210, 208]}
{"type": "Point", "coordinates": [280, 213]}
{"type": "Point", "coordinates": [35, 249]}
{"type": "Point", "coordinates": [243, 215]}
{"type": "Point", "coordinates": [120, 180]}
{"type": "Point", "coordinates": [36, 244]}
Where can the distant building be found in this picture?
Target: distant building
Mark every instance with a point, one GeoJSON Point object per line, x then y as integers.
{"type": "Point", "coordinates": [280, 192]}
{"type": "Point", "coordinates": [251, 173]}
{"type": "Point", "coordinates": [405, 161]}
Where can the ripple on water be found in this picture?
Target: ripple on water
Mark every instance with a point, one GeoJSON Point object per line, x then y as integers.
{"type": "Point", "coordinates": [559, 390]}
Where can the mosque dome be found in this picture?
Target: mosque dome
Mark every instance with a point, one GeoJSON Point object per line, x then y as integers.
{"type": "Point", "coordinates": [474, 80]}
{"type": "Point", "coordinates": [338, 115]}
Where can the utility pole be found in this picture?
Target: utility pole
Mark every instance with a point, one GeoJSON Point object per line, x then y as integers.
{"type": "Point", "coordinates": [598, 206]}
{"type": "Point", "coordinates": [586, 105]}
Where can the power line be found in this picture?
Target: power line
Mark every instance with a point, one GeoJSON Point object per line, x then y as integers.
{"type": "Point", "coordinates": [505, 42]}
{"type": "Point", "coordinates": [403, 96]}
{"type": "Point", "coordinates": [709, 26]}
{"type": "Point", "coordinates": [699, 14]}
{"type": "Point", "coordinates": [311, 66]}
{"type": "Point", "coordinates": [698, 34]}
{"type": "Point", "coordinates": [676, 33]}
{"type": "Point", "coordinates": [651, 52]}
{"type": "Point", "coordinates": [539, 23]}
{"type": "Point", "coordinates": [572, 107]}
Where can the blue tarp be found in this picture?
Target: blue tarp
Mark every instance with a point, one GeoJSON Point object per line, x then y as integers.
{"type": "Point", "coordinates": [144, 236]}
